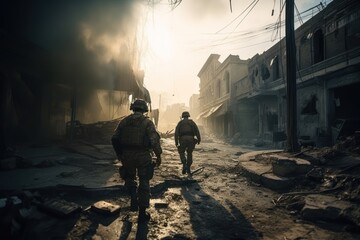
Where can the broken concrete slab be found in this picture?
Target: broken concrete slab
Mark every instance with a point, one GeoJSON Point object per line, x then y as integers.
{"type": "Point", "coordinates": [10, 201]}
{"type": "Point", "coordinates": [262, 174]}
{"type": "Point", "coordinates": [288, 166]}
{"type": "Point", "coordinates": [60, 207]}
{"type": "Point", "coordinates": [329, 208]}
{"type": "Point", "coordinates": [104, 207]}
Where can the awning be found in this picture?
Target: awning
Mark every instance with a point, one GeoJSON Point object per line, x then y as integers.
{"type": "Point", "coordinates": [202, 114]}
{"type": "Point", "coordinates": [208, 113]}
{"type": "Point", "coordinates": [213, 110]}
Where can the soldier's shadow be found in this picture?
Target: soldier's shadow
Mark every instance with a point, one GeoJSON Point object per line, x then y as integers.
{"type": "Point", "coordinates": [209, 218]}
{"type": "Point", "coordinates": [141, 232]}
{"type": "Point", "coordinates": [212, 220]}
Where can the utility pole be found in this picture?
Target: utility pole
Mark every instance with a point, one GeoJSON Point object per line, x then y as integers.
{"type": "Point", "coordinates": [291, 127]}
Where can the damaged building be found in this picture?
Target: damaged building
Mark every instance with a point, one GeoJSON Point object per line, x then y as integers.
{"type": "Point", "coordinates": [216, 79]}
{"type": "Point", "coordinates": [58, 65]}
{"type": "Point", "coordinates": [328, 82]}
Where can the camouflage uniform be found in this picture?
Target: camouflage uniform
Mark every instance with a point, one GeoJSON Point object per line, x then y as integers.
{"type": "Point", "coordinates": [185, 133]}
{"type": "Point", "coordinates": [134, 140]}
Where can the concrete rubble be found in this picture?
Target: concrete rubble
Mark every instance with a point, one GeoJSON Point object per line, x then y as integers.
{"type": "Point", "coordinates": [328, 179]}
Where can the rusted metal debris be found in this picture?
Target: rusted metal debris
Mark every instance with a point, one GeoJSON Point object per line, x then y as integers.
{"type": "Point", "coordinates": [197, 171]}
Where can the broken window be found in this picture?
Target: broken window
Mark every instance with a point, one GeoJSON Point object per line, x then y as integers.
{"type": "Point", "coordinates": [265, 74]}
{"type": "Point", "coordinates": [310, 106]}
{"type": "Point", "coordinates": [318, 41]}
{"type": "Point", "coordinates": [272, 121]}
{"type": "Point", "coordinates": [274, 64]}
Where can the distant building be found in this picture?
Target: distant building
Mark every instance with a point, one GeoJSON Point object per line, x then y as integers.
{"type": "Point", "coordinates": [216, 81]}
{"type": "Point", "coordinates": [194, 105]}
{"type": "Point", "coordinates": [171, 116]}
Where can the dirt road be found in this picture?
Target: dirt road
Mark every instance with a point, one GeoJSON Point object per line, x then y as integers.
{"type": "Point", "coordinates": [216, 203]}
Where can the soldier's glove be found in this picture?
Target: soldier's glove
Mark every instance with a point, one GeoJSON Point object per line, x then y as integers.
{"type": "Point", "coordinates": [158, 161]}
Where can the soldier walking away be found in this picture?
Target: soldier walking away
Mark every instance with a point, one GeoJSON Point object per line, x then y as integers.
{"type": "Point", "coordinates": [187, 134]}
{"type": "Point", "coordinates": [134, 141]}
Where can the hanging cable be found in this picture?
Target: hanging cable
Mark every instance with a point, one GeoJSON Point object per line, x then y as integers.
{"type": "Point", "coordinates": [278, 22]}
{"type": "Point", "coordinates": [237, 16]}
{"type": "Point", "coordinates": [298, 14]}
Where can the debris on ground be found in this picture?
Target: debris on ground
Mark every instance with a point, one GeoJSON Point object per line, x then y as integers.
{"type": "Point", "coordinates": [105, 207]}
{"type": "Point", "coordinates": [167, 134]}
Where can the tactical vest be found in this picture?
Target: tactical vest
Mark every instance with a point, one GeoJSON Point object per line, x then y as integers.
{"type": "Point", "coordinates": [133, 133]}
{"type": "Point", "coordinates": [186, 128]}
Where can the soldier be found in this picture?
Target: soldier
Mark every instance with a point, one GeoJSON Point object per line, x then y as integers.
{"type": "Point", "coordinates": [134, 140]}
{"type": "Point", "coordinates": [187, 134]}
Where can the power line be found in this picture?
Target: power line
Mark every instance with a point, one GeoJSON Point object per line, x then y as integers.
{"type": "Point", "coordinates": [237, 16]}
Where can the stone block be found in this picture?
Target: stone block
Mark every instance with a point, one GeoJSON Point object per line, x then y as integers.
{"type": "Point", "coordinates": [105, 207]}
{"type": "Point", "coordinates": [329, 208]}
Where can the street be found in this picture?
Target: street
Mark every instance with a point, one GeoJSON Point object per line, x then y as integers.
{"type": "Point", "coordinates": [217, 202]}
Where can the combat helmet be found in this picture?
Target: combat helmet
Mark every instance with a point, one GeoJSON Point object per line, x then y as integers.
{"type": "Point", "coordinates": [185, 115]}
{"type": "Point", "coordinates": [139, 105]}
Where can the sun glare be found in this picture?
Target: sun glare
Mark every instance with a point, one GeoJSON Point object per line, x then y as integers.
{"type": "Point", "coordinates": [160, 42]}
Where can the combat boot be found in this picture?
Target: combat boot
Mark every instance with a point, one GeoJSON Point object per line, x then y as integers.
{"type": "Point", "coordinates": [188, 170]}
{"type": "Point", "coordinates": [143, 215]}
{"type": "Point", "coordinates": [184, 169]}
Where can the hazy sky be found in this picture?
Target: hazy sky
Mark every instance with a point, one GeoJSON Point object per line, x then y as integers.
{"type": "Point", "coordinates": [180, 40]}
{"type": "Point", "coordinates": [174, 43]}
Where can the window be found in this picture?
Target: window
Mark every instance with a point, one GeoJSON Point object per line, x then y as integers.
{"type": "Point", "coordinates": [318, 42]}
{"type": "Point", "coordinates": [274, 64]}
{"type": "Point", "coordinates": [227, 82]}
{"type": "Point", "coordinates": [218, 87]}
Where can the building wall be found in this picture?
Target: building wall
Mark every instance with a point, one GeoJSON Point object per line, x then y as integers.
{"type": "Point", "coordinates": [216, 87]}
{"type": "Point", "coordinates": [328, 61]}
{"type": "Point", "coordinates": [310, 110]}
{"type": "Point", "coordinates": [194, 105]}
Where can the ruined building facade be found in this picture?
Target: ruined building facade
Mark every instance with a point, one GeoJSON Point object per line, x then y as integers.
{"type": "Point", "coordinates": [328, 81]}
{"type": "Point", "coordinates": [216, 81]}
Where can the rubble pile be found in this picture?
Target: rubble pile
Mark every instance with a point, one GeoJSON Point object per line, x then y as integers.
{"type": "Point", "coordinates": [51, 212]}
{"type": "Point", "coordinates": [331, 190]}
{"type": "Point", "coordinates": [96, 133]}
{"type": "Point", "coordinates": [350, 144]}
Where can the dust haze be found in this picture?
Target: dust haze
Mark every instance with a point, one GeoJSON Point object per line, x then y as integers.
{"type": "Point", "coordinates": [95, 47]}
